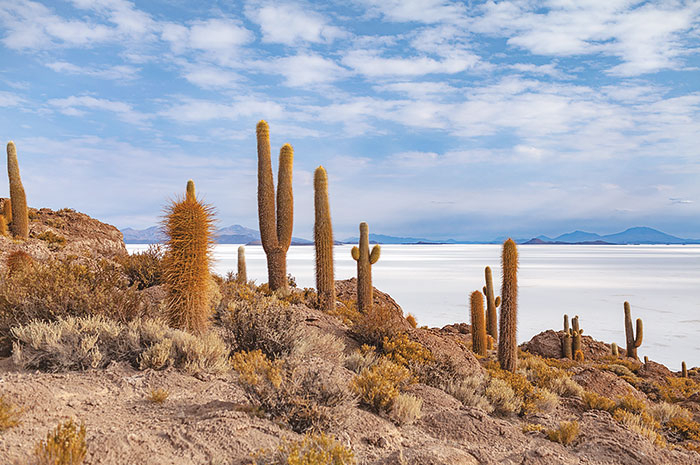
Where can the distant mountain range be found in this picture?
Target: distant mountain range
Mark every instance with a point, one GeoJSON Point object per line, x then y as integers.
{"type": "Point", "coordinates": [237, 234]}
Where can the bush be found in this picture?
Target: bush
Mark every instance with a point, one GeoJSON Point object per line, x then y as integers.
{"type": "Point", "coordinates": [663, 412]}
{"type": "Point", "coordinates": [400, 349]}
{"type": "Point", "coordinates": [306, 397]}
{"type": "Point", "coordinates": [379, 323]}
{"type": "Point", "coordinates": [93, 342]}
{"type": "Point", "coordinates": [313, 449]}
{"type": "Point", "coordinates": [678, 389]}
{"type": "Point", "coordinates": [412, 320]}
{"type": "Point", "coordinates": [379, 386]}
{"type": "Point", "coordinates": [593, 401]}
{"type": "Point", "coordinates": [502, 397]}
{"type": "Point", "coordinates": [9, 414]}
{"type": "Point", "coordinates": [144, 269]}
{"type": "Point", "coordinates": [53, 240]}
{"type": "Point", "coordinates": [406, 409]}
{"type": "Point", "coordinates": [684, 428]}
{"type": "Point", "coordinates": [18, 260]}
{"type": "Point", "coordinates": [533, 399]}
{"type": "Point", "coordinates": [63, 446]}
{"type": "Point", "coordinates": [158, 396]}
{"type": "Point", "coordinates": [362, 358]}
{"type": "Point", "coordinates": [553, 379]}
{"type": "Point", "coordinates": [643, 425]}
{"type": "Point", "coordinates": [631, 404]}
{"type": "Point", "coordinates": [470, 391]}
{"type": "Point", "coordinates": [263, 323]}
{"type": "Point", "coordinates": [565, 434]}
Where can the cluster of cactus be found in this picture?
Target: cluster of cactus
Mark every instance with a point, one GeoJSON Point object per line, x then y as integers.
{"type": "Point", "coordinates": [189, 227]}
{"type": "Point", "coordinates": [275, 223]}
{"type": "Point", "coordinates": [633, 340]}
{"type": "Point", "coordinates": [323, 241]}
{"type": "Point", "coordinates": [571, 342]}
{"type": "Point", "coordinates": [479, 336]}
{"type": "Point", "coordinates": [491, 305]}
{"type": "Point", "coordinates": [365, 259]}
{"type": "Point", "coordinates": [507, 341]}
{"type": "Point", "coordinates": [15, 212]}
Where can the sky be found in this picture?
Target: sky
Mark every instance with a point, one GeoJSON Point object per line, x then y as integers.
{"type": "Point", "coordinates": [434, 119]}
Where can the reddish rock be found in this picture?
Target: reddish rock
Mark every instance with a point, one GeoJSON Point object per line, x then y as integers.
{"type": "Point", "coordinates": [605, 383]}
{"type": "Point", "coordinates": [548, 344]}
{"type": "Point", "coordinates": [449, 347]}
{"type": "Point", "coordinates": [346, 290]}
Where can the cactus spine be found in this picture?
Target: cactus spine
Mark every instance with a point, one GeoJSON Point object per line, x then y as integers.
{"type": "Point", "coordinates": [242, 275]}
{"type": "Point", "coordinates": [684, 370]}
{"type": "Point", "coordinates": [20, 214]}
{"type": "Point", "coordinates": [188, 226]}
{"type": "Point", "coordinates": [507, 341]}
{"type": "Point", "coordinates": [479, 342]}
{"type": "Point", "coordinates": [323, 240]}
{"type": "Point", "coordinates": [365, 259]}
{"type": "Point", "coordinates": [633, 341]}
{"type": "Point", "coordinates": [566, 340]}
{"type": "Point", "coordinates": [491, 306]}
{"type": "Point", "coordinates": [275, 229]}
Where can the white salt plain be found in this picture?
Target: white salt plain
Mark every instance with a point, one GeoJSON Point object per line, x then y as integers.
{"type": "Point", "coordinates": [662, 283]}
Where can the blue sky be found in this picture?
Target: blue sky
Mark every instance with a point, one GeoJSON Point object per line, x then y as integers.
{"type": "Point", "coordinates": [434, 119]}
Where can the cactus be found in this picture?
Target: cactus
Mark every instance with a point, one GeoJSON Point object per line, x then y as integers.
{"type": "Point", "coordinates": [491, 305]}
{"type": "Point", "coordinates": [576, 333]}
{"type": "Point", "coordinates": [3, 226]}
{"type": "Point", "coordinates": [20, 214]}
{"type": "Point", "coordinates": [614, 350]}
{"type": "Point", "coordinates": [190, 193]}
{"type": "Point", "coordinates": [188, 226]}
{"type": "Point", "coordinates": [578, 356]}
{"type": "Point", "coordinates": [479, 342]}
{"type": "Point", "coordinates": [633, 340]}
{"type": "Point", "coordinates": [646, 359]}
{"type": "Point", "coordinates": [242, 275]}
{"type": "Point", "coordinates": [323, 240]}
{"type": "Point", "coordinates": [684, 370]}
{"type": "Point", "coordinates": [275, 225]}
{"type": "Point", "coordinates": [507, 341]}
{"type": "Point", "coordinates": [365, 259]}
{"type": "Point", "coordinates": [7, 210]}
{"type": "Point", "coordinates": [566, 340]}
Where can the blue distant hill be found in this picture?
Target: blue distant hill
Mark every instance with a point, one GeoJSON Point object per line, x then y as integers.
{"type": "Point", "coordinates": [636, 235]}
{"type": "Point", "coordinates": [235, 234]}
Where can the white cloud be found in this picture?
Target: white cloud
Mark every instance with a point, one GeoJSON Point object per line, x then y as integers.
{"type": "Point", "coordinates": [423, 11]}
{"type": "Point", "coordinates": [206, 76]}
{"type": "Point", "coordinates": [8, 99]}
{"type": "Point", "coordinates": [220, 39]}
{"type": "Point", "coordinates": [74, 105]}
{"type": "Point", "coordinates": [190, 110]}
{"type": "Point", "coordinates": [303, 69]}
{"type": "Point", "coordinates": [371, 63]}
{"type": "Point", "coordinates": [291, 24]}
{"type": "Point", "coordinates": [117, 72]}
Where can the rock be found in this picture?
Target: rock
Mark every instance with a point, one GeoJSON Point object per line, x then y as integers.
{"type": "Point", "coordinates": [449, 347]}
{"type": "Point", "coordinates": [654, 371]}
{"type": "Point", "coordinates": [548, 344]}
{"type": "Point", "coordinates": [438, 454]}
{"type": "Point", "coordinates": [346, 290]}
{"type": "Point", "coordinates": [605, 383]}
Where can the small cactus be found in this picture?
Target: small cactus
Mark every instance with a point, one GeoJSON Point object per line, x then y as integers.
{"type": "Point", "coordinates": [614, 349]}
{"type": "Point", "coordinates": [491, 305]}
{"type": "Point", "coordinates": [684, 370]}
{"type": "Point", "coordinates": [188, 226]}
{"type": "Point", "coordinates": [479, 342]}
{"type": "Point", "coordinates": [576, 333]}
{"type": "Point", "coordinates": [507, 341]}
{"type": "Point", "coordinates": [633, 340]}
{"type": "Point", "coordinates": [646, 359]}
{"type": "Point", "coordinates": [323, 240]}
{"type": "Point", "coordinates": [20, 214]}
{"type": "Point", "coordinates": [275, 224]}
{"type": "Point", "coordinates": [578, 356]}
{"type": "Point", "coordinates": [7, 210]}
{"type": "Point", "coordinates": [365, 259]}
{"type": "Point", "coordinates": [242, 275]}
{"type": "Point", "coordinates": [190, 193]}
{"type": "Point", "coordinates": [566, 340]}
{"type": "Point", "coordinates": [3, 226]}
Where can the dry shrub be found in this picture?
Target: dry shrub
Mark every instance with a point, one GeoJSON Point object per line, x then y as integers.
{"type": "Point", "coordinates": [684, 428]}
{"type": "Point", "coordinates": [18, 260]}
{"type": "Point", "coordinates": [379, 385]}
{"type": "Point", "coordinates": [553, 379]}
{"type": "Point", "coordinates": [400, 349]}
{"type": "Point", "coordinates": [379, 323]}
{"type": "Point", "coordinates": [306, 397]}
{"type": "Point", "coordinates": [362, 358]}
{"type": "Point", "coordinates": [471, 391]}
{"type": "Point", "coordinates": [158, 396]}
{"type": "Point", "coordinates": [502, 397]}
{"type": "Point", "coordinates": [565, 434]}
{"type": "Point", "coordinates": [53, 240]}
{"type": "Point", "coordinates": [65, 445]}
{"type": "Point", "coordinates": [144, 269]}
{"type": "Point", "coordinates": [412, 320]}
{"type": "Point", "coordinates": [532, 428]}
{"type": "Point", "coordinates": [9, 414]}
{"type": "Point", "coordinates": [663, 412]}
{"type": "Point", "coordinates": [346, 311]}
{"type": "Point", "coordinates": [316, 343]}
{"type": "Point", "coordinates": [631, 404]}
{"type": "Point", "coordinates": [263, 323]}
{"type": "Point", "coordinates": [678, 389]}
{"type": "Point", "coordinates": [643, 425]}
{"type": "Point", "coordinates": [70, 287]}
{"type": "Point", "coordinates": [533, 399]}
{"type": "Point", "coordinates": [406, 409]}
{"type": "Point", "coordinates": [593, 401]}
{"type": "Point", "coordinates": [312, 449]}
{"type": "Point", "coordinates": [93, 342]}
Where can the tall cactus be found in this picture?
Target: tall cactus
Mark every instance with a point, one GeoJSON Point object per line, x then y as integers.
{"type": "Point", "coordinates": [479, 341]}
{"type": "Point", "coordinates": [275, 225]}
{"type": "Point", "coordinates": [323, 240]}
{"type": "Point", "coordinates": [491, 305]}
{"type": "Point", "coordinates": [188, 226]}
{"type": "Point", "coordinates": [365, 259]}
{"type": "Point", "coordinates": [20, 214]}
{"type": "Point", "coordinates": [576, 333]}
{"type": "Point", "coordinates": [566, 340]}
{"type": "Point", "coordinates": [633, 340]}
{"type": "Point", "coordinates": [507, 341]}
{"type": "Point", "coordinates": [242, 275]}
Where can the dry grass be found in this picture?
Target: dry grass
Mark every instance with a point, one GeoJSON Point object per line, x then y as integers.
{"type": "Point", "coordinates": [565, 434]}
{"type": "Point", "coordinates": [470, 391]}
{"type": "Point", "coordinates": [502, 397]}
{"type": "Point", "coordinates": [678, 389]}
{"type": "Point", "coordinates": [551, 378]}
{"type": "Point", "coordinates": [593, 401]}
{"type": "Point", "coordinates": [312, 449]}
{"type": "Point", "coordinates": [158, 396]}
{"type": "Point", "coordinates": [412, 320]}
{"type": "Point", "coordinates": [363, 358]}
{"type": "Point", "coordinates": [533, 399]}
{"type": "Point", "coordinates": [643, 425]}
{"type": "Point", "coordinates": [379, 385]}
{"type": "Point", "coordinates": [9, 414]}
{"type": "Point", "coordinates": [663, 412]}
{"type": "Point", "coordinates": [406, 409]}
{"type": "Point", "coordinates": [53, 240]}
{"type": "Point", "coordinates": [65, 445]}
{"type": "Point", "coordinates": [93, 342]}
{"type": "Point", "coordinates": [400, 349]}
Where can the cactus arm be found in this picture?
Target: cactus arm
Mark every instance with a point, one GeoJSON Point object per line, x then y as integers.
{"type": "Point", "coordinates": [355, 252]}
{"type": "Point", "coordinates": [374, 255]}
{"type": "Point", "coordinates": [640, 333]}
{"type": "Point", "coordinates": [285, 198]}
{"type": "Point", "coordinates": [266, 190]}
{"type": "Point", "coordinates": [498, 301]}
{"type": "Point", "coordinates": [190, 192]}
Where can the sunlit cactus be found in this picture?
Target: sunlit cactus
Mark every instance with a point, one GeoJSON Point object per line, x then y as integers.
{"type": "Point", "coordinates": [614, 350]}
{"type": "Point", "coordinates": [576, 333]}
{"type": "Point", "coordinates": [507, 341]}
{"type": "Point", "coordinates": [566, 340]}
{"type": "Point", "coordinates": [684, 370]}
{"type": "Point", "coordinates": [7, 210]}
{"type": "Point", "coordinates": [479, 341]}
{"type": "Point", "coordinates": [19, 227]}
{"type": "Point", "coordinates": [275, 224]}
{"type": "Point", "coordinates": [633, 340]}
{"type": "Point", "coordinates": [3, 226]}
{"type": "Point", "coordinates": [323, 240]}
{"type": "Point", "coordinates": [491, 305]}
{"type": "Point", "coordinates": [190, 193]}
{"type": "Point", "coordinates": [365, 259]}
{"type": "Point", "coordinates": [189, 228]}
{"type": "Point", "coordinates": [242, 275]}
